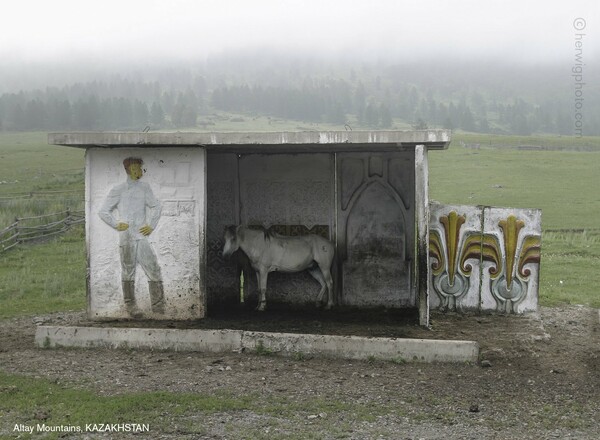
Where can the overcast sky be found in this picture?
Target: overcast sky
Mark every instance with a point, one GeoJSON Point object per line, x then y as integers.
{"type": "Point", "coordinates": [51, 30]}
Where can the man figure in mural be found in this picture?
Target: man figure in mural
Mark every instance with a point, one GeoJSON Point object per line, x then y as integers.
{"type": "Point", "coordinates": [138, 214]}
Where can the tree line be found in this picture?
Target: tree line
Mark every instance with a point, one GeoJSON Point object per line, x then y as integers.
{"type": "Point", "coordinates": [369, 98]}
{"type": "Point", "coordinates": [19, 113]}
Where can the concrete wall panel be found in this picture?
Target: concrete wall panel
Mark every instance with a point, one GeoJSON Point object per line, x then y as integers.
{"type": "Point", "coordinates": [455, 282]}
{"type": "Point", "coordinates": [494, 254]}
{"type": "Point", "coordinates": [176, 177]}
{"type": "Point", "coordinates": [514, 289]}
{"type": "Point", "coordinates": [376, 233]}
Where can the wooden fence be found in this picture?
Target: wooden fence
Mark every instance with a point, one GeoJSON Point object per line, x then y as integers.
{"type": "Point", "coordinates": [32, 194]}
{"type": "Point", "coordinates": [37, 228]}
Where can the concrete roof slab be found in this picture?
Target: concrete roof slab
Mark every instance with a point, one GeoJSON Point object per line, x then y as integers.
{"type": "Point", "coordinates": [303, 141]}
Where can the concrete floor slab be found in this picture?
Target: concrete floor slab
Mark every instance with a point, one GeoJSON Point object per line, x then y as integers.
{"type": "Point", "coordinates": [148, 338]}
{"type": "Point", "coordinates": [287, 344]}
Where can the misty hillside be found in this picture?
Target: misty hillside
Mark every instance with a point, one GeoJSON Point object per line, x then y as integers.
{"type": "Point", "coordinates": [481, 97]}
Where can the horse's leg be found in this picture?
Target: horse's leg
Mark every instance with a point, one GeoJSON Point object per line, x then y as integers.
{"type": "Point", "coordinates": [325, 270]}
{"type": "Point", "coordinates": [262, 290]}
{"type": "Point", "coordinates": [317, 275]}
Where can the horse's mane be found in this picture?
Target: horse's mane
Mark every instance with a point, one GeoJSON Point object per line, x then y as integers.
{"type": "Point", "coordinates": [266, 233]}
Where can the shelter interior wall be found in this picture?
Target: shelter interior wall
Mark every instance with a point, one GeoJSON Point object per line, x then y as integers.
{"type": "Point", "coordinates": [296, 194]}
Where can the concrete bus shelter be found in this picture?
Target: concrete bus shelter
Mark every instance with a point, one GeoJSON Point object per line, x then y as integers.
{"type": "Point", "coordinates": [366, 191]}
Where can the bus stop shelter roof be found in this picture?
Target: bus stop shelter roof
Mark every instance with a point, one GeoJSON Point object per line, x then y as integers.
{"type": "Point", "coordinates": [277, 142]}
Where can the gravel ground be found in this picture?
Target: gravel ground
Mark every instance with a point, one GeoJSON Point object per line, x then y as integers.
{"type": "Point", "coordinates": [539, 378]}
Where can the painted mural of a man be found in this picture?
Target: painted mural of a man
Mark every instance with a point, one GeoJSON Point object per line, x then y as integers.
{"type": "Point", "coordinates": [138, 214]}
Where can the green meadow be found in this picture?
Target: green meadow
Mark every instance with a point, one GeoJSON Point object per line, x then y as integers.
{"type": "Point", "coordinates": [561, 183]}
{"type": "Point", "coordinates": [36, 178]}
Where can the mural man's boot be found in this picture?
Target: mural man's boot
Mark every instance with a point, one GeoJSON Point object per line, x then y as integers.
{"type": "Point", "coordinates": [129, 297]}
{"type": "Point", "coordinates": [157, 296]}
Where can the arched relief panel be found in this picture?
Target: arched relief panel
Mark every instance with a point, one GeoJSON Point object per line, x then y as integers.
{"type": "Point", "coordinates": [376, 229]}
{"type": "Point", "coordinates": [351, 178]}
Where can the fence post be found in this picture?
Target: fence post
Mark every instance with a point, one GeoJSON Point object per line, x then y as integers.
{"type": "Point", "coordinates": [16, 229]}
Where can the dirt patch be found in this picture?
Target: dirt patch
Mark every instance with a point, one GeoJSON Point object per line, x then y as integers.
{"type": "Point", "coordinates": [539, 378]}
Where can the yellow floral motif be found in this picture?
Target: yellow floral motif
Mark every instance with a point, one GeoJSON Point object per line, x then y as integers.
{"type": "Point", "coordinates": [457, 251]}
{"type": "Point", "coordinates": [530, 253]}
{"type": "Point", "coordinates": [510, 227]}
{"type": "Point", "coordinates": [436, 250]}
{"type": "Point", "coordinates": [452, 224]}
{"type": "Point", "coordinates": [484, 247]}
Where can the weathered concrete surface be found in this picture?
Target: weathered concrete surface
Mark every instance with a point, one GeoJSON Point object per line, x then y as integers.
{"type": "Point", "coordinates": [177, 178]}
{"type": "Point", "coordinates": [343, 347]}
{"type": "Point", "coordinates": [422, 232]}
{"type": "Point", "coordinates": [517, 288]}
{"type": "Point", "coordinates": [265, 142]}
{"type": "Point", "coordinates": [504, 278]}
{"type": "Point", "coordinates": [162, 339]}
{"type": "Point", "coordinates": [357, 347]}
{"type": "Point", "coordinates": [375, 228]}
{"type": "Point", "coordinates": [462, 293]}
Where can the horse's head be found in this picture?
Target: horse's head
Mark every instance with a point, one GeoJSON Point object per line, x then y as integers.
{"type": "Point", "coordinates": [231, 241]}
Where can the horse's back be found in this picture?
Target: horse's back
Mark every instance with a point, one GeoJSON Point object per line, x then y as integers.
{"type": "Point", "coordinates": [310, 246]}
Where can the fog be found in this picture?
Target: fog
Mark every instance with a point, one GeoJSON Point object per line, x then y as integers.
{"type": "Point", "coordinates": [110, 31]}
{"type": "Point", "coordinates": [509, 66]}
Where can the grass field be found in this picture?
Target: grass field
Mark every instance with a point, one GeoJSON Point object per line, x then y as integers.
{"type": "Point", "coordinates": [44, 278]}
{"type": "Point", "coordinates": [561, 183]}
{"type": "Point", "coordinates": [36, 178]}
{"type": "Point", "coordinates": [74, 407]}
{"type": "Point", "coordinates": [50, 277]}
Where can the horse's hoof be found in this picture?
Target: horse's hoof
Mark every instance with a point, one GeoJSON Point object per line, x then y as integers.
{"type": "Point", "coordinates": [328, 306]}
{"type": "Point", "coordinates": [261, 308]}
